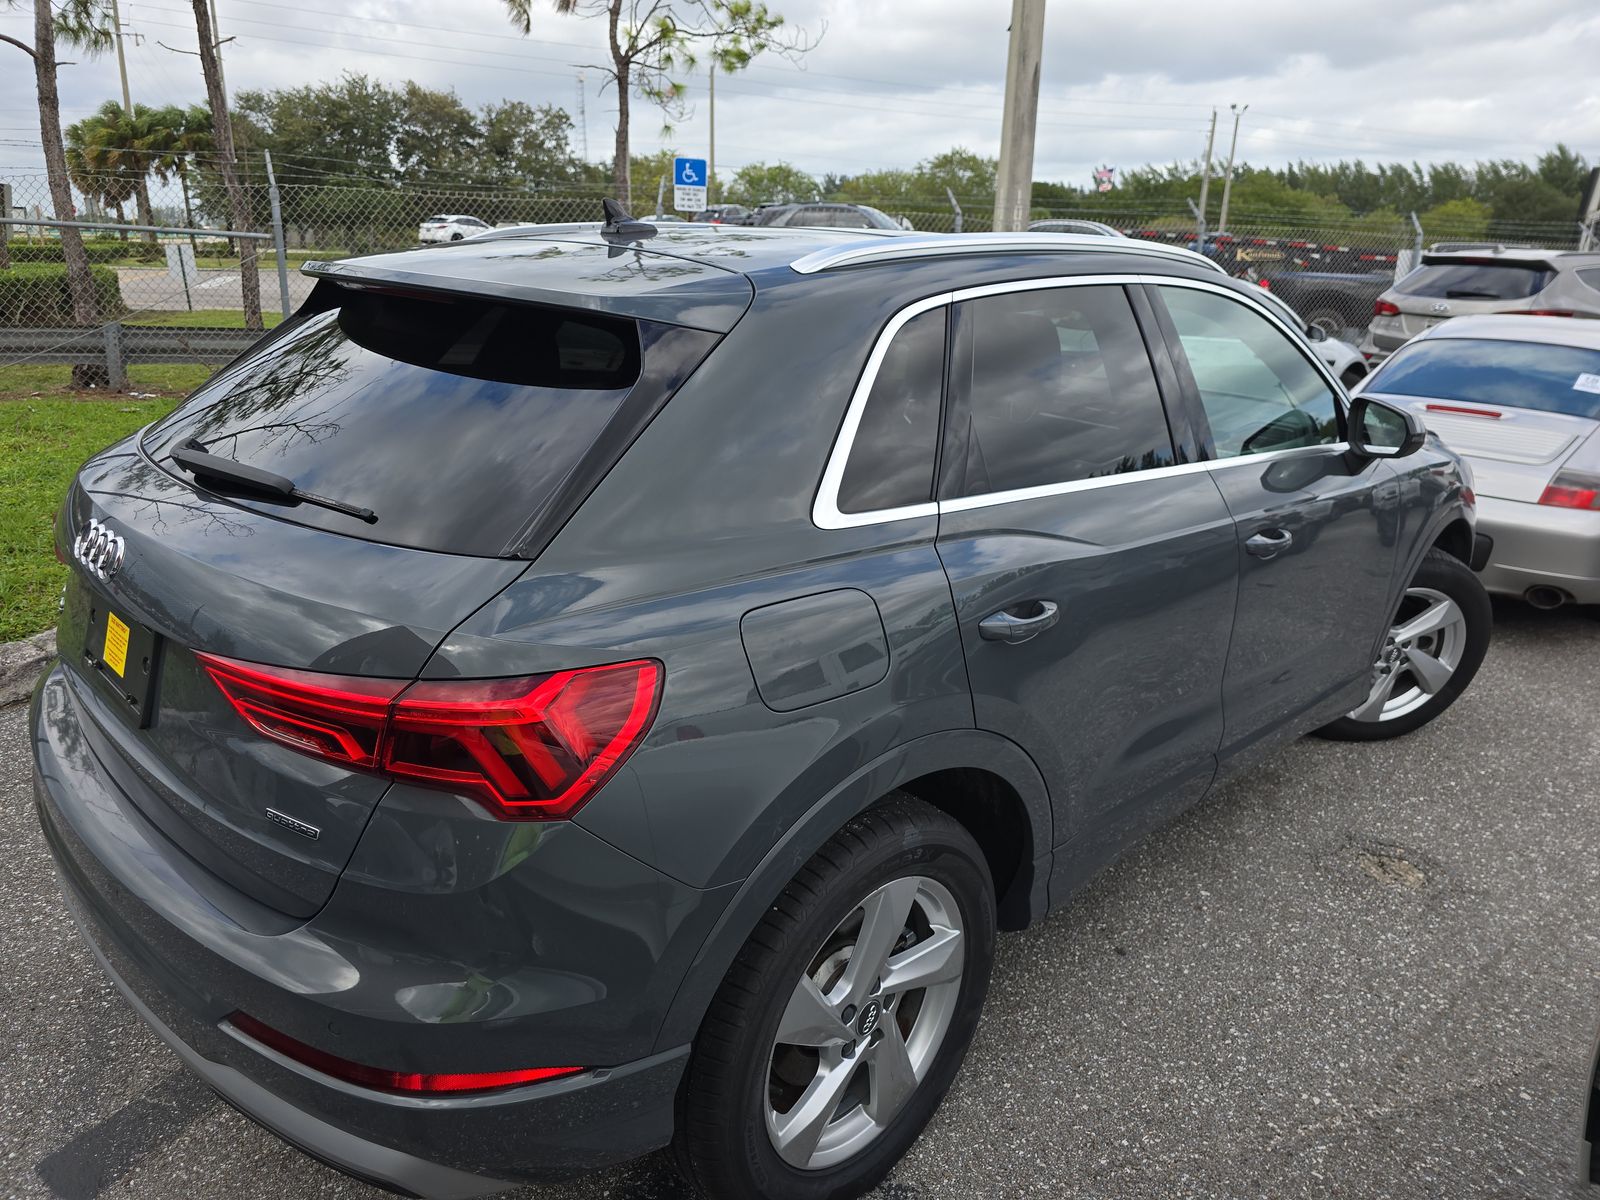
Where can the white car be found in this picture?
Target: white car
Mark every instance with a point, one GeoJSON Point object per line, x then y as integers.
{"type": "Point", "coordinates": [450, 228]}
{"type": "Point", "coordinates": [1343, 359]}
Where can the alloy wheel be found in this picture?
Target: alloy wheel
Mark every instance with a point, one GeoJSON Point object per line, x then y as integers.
{"type": "Point", "coordinates": [1419, 656]}
{"type": "Point", "coordinates": [864, 1023]}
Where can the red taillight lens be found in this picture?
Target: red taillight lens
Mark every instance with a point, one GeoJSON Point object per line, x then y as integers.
{"type": "Point", "coordinates": [1541, 312]}
{"type": "Point", "coordinates": [1572, 490]}
{"type": "Point", "coordinates": [1385, 308]}
{"type": "Point", "coordinates": [407, 1082]}
{"type": "Point", "coordinates": [529, 749]}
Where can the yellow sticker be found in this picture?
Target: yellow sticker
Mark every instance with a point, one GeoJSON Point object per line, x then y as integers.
{"type": "Point", "coordinates": [116, 644]}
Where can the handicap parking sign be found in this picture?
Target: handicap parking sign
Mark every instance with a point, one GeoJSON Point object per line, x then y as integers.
{"type": "Point", "coordinates": [689, 172]}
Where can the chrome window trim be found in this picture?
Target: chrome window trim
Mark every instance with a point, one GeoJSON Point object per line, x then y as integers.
{"type": "Point", "coordinates": [909, 246]}
{"type": "Point", "coordinates": [825, 512]}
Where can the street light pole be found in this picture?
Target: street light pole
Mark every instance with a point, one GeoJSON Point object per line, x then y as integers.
{"type": "Point", "coordinates": [1227, 183]}
{"type": "Point", "coordinates": [1014, 178]}
{"type": "Point", "coordinates": [711, 165]}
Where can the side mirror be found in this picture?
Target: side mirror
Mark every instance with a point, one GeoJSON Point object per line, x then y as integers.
{"type": "Point", "coordinates": [1379, 430]}
{"type": "Point", "coordinates": [1316, 333]}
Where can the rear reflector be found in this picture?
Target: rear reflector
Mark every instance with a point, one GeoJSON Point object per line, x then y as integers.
{"type": "Point", "coordinates": [405, 1082]}
{"type": "Point", "coordinates": [1385, 308]}
{"type": "Point", "coordinates": [534, 748]}
{"type": "Point", "coordinates": [1469, 412]}
{"type": "Point", "coordinates": [1569, 489]}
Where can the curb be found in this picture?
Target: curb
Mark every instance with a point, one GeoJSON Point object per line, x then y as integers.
{"type": "Point", "coordinates": [21, 664]}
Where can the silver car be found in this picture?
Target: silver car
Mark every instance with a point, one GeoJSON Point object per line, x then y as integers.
{"type": "Point", "coordinates": [1075, 225]}
{"type": "Point", "coordinates": [1519, 399]}
{"type": "Point", "coordinates": [1484, 279]}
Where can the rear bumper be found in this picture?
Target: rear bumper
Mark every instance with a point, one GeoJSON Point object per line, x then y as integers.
{"type": "Point", "coordinates": [167, 938]}
{"type": "Point", "coordinates": [1535, 545]}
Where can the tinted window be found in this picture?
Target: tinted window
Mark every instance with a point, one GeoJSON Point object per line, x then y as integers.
{"type": "Point", "coordinates": [891, 462]}
{"type": "Point", "coordinates": [1537, 375]}
{"type": "Point", "coordinates": [1259, 391]}
{"type": "Point", "coordinates": [1061, 389]}
{"type": "Point", "coordinates": [1590, 278]}
{"type": "Point", "coordinates": [452, 420]}
{"type": "Point", "coordinates": [1474, 281]}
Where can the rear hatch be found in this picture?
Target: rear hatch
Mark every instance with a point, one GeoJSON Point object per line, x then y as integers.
{"type": "Point", "coordinates": [467, 428]}
{"type": "Point", "coordinates": [1519, 411]}
{"type": "Point", "coordinates": [1448, 286]}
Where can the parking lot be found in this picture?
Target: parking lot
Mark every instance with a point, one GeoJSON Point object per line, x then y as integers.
{"type": "Point", "coordinates": [1360, 971]}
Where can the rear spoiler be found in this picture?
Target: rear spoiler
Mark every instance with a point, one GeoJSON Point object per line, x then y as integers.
{"type": "Point", "coordinates": [1538, 261]}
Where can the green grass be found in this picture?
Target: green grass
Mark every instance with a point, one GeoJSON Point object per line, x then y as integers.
{"type": "Point", "coordinates": [42, 442]}
{"type": "Point", "coordinates": [51, 381]}
{"type": "Point", "coordinates": [200, 318]}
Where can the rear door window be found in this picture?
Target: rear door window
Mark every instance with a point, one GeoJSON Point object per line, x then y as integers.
{"type": "Point", "coordinates": [891, 460]}
{"type": "Point", "coordinates": [1259, 391]}
{"type": "Point", "coordinates": [1475, 281]}
{"type": "Point", "coordinates": [452, 419]}
{"type": "Point", "coordinates": [1061, 389]}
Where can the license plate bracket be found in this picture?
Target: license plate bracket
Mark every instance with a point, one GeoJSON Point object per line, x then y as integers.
{"type": "Point", "coordinates": [123, 656]}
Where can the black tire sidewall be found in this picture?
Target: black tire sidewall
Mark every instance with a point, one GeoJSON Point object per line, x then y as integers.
{"type": "Point", "coordinates": [749, 1164]}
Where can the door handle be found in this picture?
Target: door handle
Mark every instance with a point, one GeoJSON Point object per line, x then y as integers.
{"type": "Point", "coordinates": [1269, 543]}
{"type": "Point", "coordinates": [1019, 622]}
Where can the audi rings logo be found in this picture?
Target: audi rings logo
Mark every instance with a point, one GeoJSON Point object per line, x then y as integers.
{"type": "Point", "coordinates": [98, 549]}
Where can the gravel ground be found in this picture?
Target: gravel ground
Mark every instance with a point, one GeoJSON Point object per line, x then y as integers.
{"type": "Point", "coordinates": [1358, 972]}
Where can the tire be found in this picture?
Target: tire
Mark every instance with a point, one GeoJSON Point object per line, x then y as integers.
{"type": "Point", "coordinates": [1453, 646]}
{"type": "Point", "coordinates": [455, 237]}
{"type": "Point", "coordinates": [744, 1091]}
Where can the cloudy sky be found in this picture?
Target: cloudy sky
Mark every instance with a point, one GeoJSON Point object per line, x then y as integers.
{"type": "Point", "coordinates": [893, 81]}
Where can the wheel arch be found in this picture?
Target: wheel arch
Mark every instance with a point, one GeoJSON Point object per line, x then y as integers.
{"type": "Point", "coordinates": [1455, 539]}
{"type": "Point", "coordinates": [985, 781]}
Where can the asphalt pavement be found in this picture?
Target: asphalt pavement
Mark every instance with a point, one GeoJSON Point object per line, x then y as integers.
{"type": "Point", "coordinates": [1361, 971]}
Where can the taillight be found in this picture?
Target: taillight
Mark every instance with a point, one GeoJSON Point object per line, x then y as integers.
{"type": "Point", "coordinates": [1385, 308]}
{"type": "Point", "coordinates": [534, 748]}
{"type": "Point", "coordinates": [1541, 312]}
{"type": "Point", "coordinates": [1569, 489]}
{"type": "Point", "coordinates": [405, 1082]}
{"type": "Point", "coordinates": [1462, 409]}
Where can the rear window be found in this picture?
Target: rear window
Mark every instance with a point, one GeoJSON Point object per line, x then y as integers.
{"type": "Point", "coordinates": [453, 420]}
{"type": "Point", "coordinates": [1475, 281]}
{"type": "Point", "coordinates": [1536, 375]}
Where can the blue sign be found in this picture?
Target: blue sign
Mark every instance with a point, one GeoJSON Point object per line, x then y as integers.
{"type": "Point", "coordinates": [689, 172]}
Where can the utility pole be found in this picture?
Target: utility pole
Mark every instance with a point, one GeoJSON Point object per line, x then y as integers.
{"type": "Point", "coordinates": [1227, 182]}
{"type": "Point", "coordinates": [583, 117]}
{"type": "Point", "coordinates": [1014, 179]}
{"type": "Point", "coordinates": [216, 35]}
{"type": "Point", "coordinates": [711, 162]}
{"type": "Point", "coordinates": [1205, 180]}
{"type": "Point", "coordinates": [122, 61]}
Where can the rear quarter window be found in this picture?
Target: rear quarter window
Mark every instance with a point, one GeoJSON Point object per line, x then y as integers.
{"type": "Point", "coordinates": [452, 419]}
{"type": "Point", "coordinates": [892, 458]}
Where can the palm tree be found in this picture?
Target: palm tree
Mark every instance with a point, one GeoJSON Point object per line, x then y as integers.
{"type": "Point", "coordinates": [85, 24]}
{"type": "Point", "coordinates": [178, 135]}
{"type": "Point", "coordinates": [109, 155]}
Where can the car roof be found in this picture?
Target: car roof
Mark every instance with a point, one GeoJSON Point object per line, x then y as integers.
{"type": "Point", "coordinates": [704, 275]}
{"type": "Point", "coordinates": [1515, 327]}
{"type": "Point", "coordinates": [1509, 254]}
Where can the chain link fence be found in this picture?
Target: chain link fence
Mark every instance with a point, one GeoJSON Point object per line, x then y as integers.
{"type": "Point", "coordinates": [181, 292]}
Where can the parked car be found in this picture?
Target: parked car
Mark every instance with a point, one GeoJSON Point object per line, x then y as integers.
{"type": "Point", "coordinates": [724, 214]}
{"type": "Point", "coordinates": [1520, 401]}
{"type": "Point", "coordinates": [475, 771]}
{"type": "Point", "coordinates": [1536, 283]}
{"type": "Point", "coordinates": [450, 228]}
{"type": "Point", "coordinates": [828, 216]}
{"type": "Point", "coordinates": [1343, 359]}
{"type": "Point", "coordinates": [1062, 225]}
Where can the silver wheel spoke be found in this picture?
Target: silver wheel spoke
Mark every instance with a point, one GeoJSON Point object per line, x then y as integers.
{"type": "Point", "coordinates": [1428, 671]}
{"type": "Point", "coordinates": [938, 958]}
{"type": "Point", "coordinates": [797, 1132]}
{"type": "Point", "coordinates": [892, 1078]}
{"type": "Point", "coordinates": [884, 916]}
{"type": "Point", "coordinates": [1430, 620]}
{"type": "Point", "coordinates": [1376, 699]}
{"type": "Point", "coordinates": [809, 1020]}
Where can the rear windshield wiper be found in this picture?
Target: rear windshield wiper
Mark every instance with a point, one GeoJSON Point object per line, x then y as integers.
{"type": "Point", "coordinates": [192, 456]}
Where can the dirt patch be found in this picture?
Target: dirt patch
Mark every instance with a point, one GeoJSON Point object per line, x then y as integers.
{"type": "Point", "coordinates": [1388, 864]}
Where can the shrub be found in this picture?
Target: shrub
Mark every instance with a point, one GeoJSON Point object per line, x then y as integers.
{"type": "Point", "coordinates": [99, 250]}
{"type": "Point", "coordinates": [35, 294]}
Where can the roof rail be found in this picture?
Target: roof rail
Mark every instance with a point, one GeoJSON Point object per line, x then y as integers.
{"type": "Point", "coordinates": [894, 249]}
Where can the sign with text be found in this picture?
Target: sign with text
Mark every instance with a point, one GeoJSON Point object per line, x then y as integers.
{"type": "Point", "coordinates": [689, 184]}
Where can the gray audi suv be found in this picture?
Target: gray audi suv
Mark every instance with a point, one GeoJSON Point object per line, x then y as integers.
{"type": "Point", "coordinates": [588, 689]}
